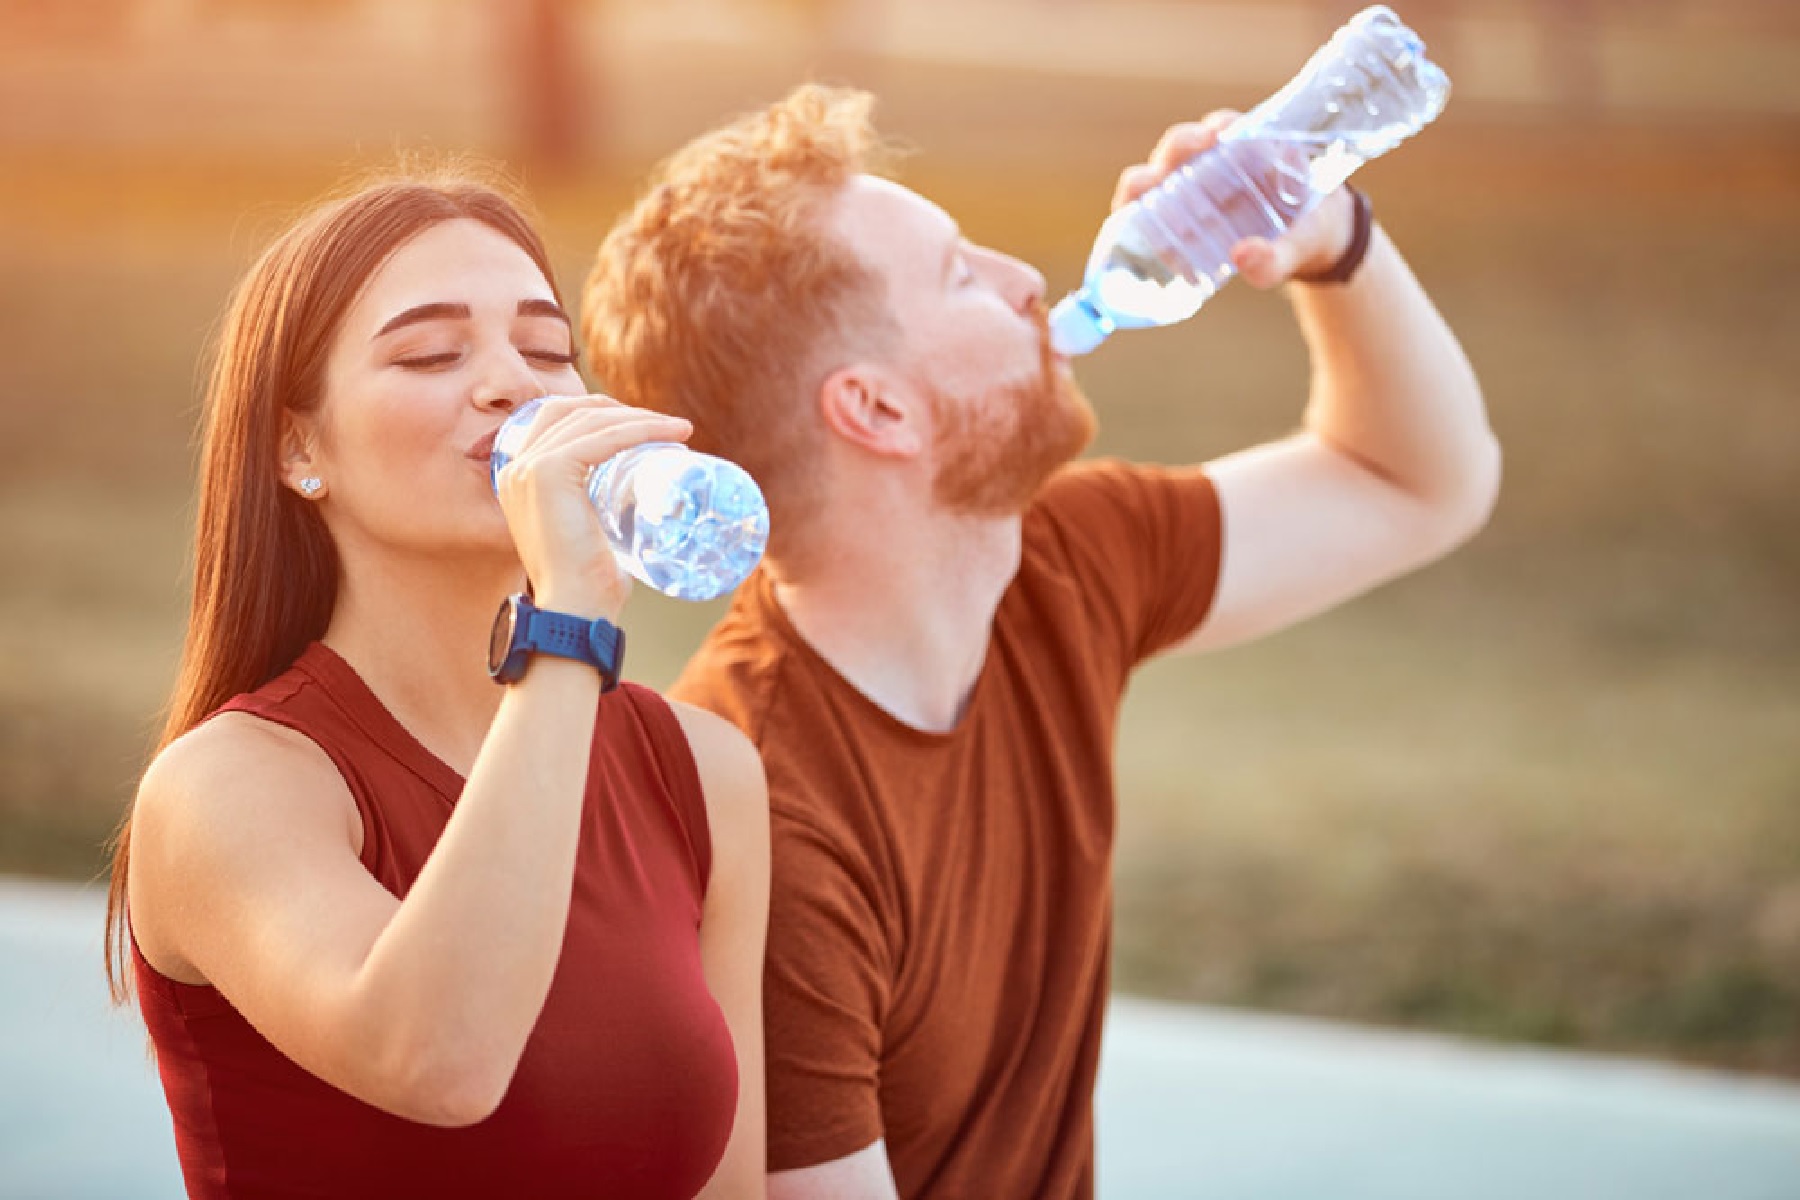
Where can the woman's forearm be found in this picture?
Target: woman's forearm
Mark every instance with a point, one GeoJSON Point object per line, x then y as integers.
{"type": "Point", "coordinates": [453, 985]}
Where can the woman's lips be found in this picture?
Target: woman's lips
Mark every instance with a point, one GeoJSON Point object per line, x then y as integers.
{"type": "Point", "coordinates": [483, 449]}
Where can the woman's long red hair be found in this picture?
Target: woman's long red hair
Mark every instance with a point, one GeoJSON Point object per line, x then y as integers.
{"type": "Point", "coordinates": [265, 570]}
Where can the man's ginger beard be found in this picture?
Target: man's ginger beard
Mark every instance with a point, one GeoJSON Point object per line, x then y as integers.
{"type": "Point", "coordinates": [995, 452]}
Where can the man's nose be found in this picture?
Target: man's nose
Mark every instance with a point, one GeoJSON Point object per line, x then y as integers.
{"type": "Point", "coordinates": [1020, 282]}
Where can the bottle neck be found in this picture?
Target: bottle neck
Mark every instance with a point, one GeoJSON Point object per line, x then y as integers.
{"type": "Point", "coordinates": [1079, 323]}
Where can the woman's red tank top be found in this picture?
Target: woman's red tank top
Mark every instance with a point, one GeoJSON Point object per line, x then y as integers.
{"type": "Point", "coordinates": [628, 1083]}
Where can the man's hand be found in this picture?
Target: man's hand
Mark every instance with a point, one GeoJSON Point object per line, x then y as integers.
{"type": "Point", "coordinates": [1315, 243]}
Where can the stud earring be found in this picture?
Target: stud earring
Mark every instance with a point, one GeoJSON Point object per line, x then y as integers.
{"type": "Point", "coordinates": [311, 486]}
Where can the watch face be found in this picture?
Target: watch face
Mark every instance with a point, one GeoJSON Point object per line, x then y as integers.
{"type": "Point", "coordinates": [500, 639]}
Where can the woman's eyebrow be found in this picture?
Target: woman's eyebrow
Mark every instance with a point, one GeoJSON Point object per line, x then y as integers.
{"type": "Point", "coordinates": [543, 308]}
{"type": "Point", "coordinates": [436, 311]}
{"type": "Point", "coordinates": [445, 310]}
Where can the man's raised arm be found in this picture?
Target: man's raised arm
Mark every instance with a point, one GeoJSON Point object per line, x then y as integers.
{"type": "Point", "coordinates": [1395, 465]}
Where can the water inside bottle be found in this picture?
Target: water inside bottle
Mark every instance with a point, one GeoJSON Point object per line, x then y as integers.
{"type": "Point", "coordinates": [690, 526]}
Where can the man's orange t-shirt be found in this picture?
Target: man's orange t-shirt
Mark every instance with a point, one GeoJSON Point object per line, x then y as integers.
{"type": "Point", "coordinates": [941, 912]}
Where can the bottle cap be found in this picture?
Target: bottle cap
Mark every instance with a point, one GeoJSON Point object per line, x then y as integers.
{"type": "Point", "coordinates": [1076, 326]}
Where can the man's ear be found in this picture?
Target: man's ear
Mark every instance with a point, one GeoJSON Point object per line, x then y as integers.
{"type": "Point", "coordinates": [869, 407]}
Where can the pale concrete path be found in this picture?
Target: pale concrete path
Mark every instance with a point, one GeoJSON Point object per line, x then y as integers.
{"type": "Point", "coordinates": [1194, 1104]}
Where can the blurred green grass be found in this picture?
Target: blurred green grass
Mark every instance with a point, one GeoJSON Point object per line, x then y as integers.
{"type": "Point", "coordinates": [1547, 790]}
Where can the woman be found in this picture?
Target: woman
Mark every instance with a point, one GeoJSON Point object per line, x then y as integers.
{"type": "Point", "coordinates": [398, 929]}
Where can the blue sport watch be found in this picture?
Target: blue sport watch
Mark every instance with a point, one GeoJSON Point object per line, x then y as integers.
{"type": "Point", "coordinates": [522, 629]}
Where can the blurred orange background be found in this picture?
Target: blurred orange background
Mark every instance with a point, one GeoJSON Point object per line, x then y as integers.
{"type": "Point", "coordinates": [1548, 790]}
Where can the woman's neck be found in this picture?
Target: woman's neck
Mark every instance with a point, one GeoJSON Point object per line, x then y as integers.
{"type": "Point", "coordinates": [416, 631]}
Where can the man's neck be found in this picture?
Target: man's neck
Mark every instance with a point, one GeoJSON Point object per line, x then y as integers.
{"type": "Point", "coordinates": [905, 611]}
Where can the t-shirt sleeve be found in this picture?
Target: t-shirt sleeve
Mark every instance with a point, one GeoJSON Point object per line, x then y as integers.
{"type": "Point", "coordinates": [825, 999]}
{"type": "Point", "coordinates": [1143, 543]}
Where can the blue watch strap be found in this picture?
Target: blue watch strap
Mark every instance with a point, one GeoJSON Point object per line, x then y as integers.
{"type": "Point", "coordinates": [530, 630]}
{"type": "Point", "coordinates": [598, 641]}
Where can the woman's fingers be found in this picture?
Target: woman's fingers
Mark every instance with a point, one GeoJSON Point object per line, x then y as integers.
{"type": "Point", "coordinates": [592, 447]}
{"type": "Point", "coordinates": [575, 428]}
{"type": "Point", "coordinates": [543, 494]}
{"type": "Point", "coordinates": [563, 421]}
{"type": "Point", "coordinates": [553, 410]}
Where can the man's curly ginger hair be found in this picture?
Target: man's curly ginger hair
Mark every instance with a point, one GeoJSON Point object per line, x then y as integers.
{"type": "Point", "coordinates": [721, 296]}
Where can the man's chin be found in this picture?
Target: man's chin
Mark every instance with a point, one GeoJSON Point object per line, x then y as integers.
{"type": "Point", "coordinates": [1007, 487]}
{"type": "Point", "coordinates": [1084, 421]}
{"type": "Point", "coordinates": [998, 470]}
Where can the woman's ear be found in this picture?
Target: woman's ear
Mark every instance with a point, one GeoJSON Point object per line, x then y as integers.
{"type": "Point", "coordinates": [299, 470]}
{"type": "Point", "coordinates": [869, 407]}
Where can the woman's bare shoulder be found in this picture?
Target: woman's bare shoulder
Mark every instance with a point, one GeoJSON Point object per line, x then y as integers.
{"type": "Point", "coordinates": [237, 782]}
{"type": "Point", "coordinates": [227, 798]}
{"type": "Point", "coordinates": [721, 750]}
{"type": "Point", "coordinates": [731, 776]}
{"type": "Point", "coordinates": [229, 751]}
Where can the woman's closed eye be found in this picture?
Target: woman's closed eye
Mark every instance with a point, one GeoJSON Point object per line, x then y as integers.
{"type": "Point", "coordinates": [435, 360]}
{"type": "Point", "coordinates": [428, 361]}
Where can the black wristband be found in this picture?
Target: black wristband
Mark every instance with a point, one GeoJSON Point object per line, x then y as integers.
{"type": "Point", "coordinates": [1361, 229]}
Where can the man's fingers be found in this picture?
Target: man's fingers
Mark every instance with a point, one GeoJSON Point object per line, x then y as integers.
{"type": "Point", "coordinates": [1134, 181]}
{"type": "Point", "coordinates": [1190, 138]}
{"type": "Point", "coordinates": [1262, 263]}
{"type": "Point", "coordinates": [1178, 144]}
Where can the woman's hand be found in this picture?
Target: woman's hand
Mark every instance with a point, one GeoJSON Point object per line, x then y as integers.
{"type": "Point", "coordinates": [543, 492]}
{"type": "Point", "coordinates": [1315, 242]}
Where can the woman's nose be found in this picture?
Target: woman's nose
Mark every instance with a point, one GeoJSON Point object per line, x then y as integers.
{"type": "Point", "coordinates": [507, 383]}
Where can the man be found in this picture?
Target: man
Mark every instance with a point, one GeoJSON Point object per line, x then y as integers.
{"type": "Point", "coordinates": [932, 657]}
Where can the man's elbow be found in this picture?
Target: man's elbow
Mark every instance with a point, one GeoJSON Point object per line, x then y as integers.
{"type": "Point", "coordinates": [1467, 507]}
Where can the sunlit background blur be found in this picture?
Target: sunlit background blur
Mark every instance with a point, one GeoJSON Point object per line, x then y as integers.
{"type": "Point", "coordinates": [1546, 791]}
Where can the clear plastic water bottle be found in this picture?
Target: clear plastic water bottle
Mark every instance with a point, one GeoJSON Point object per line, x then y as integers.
{"type": "Point", "coordinates": [690, 525]}
{"type": "Point", "coordinates": [1159, 258]}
